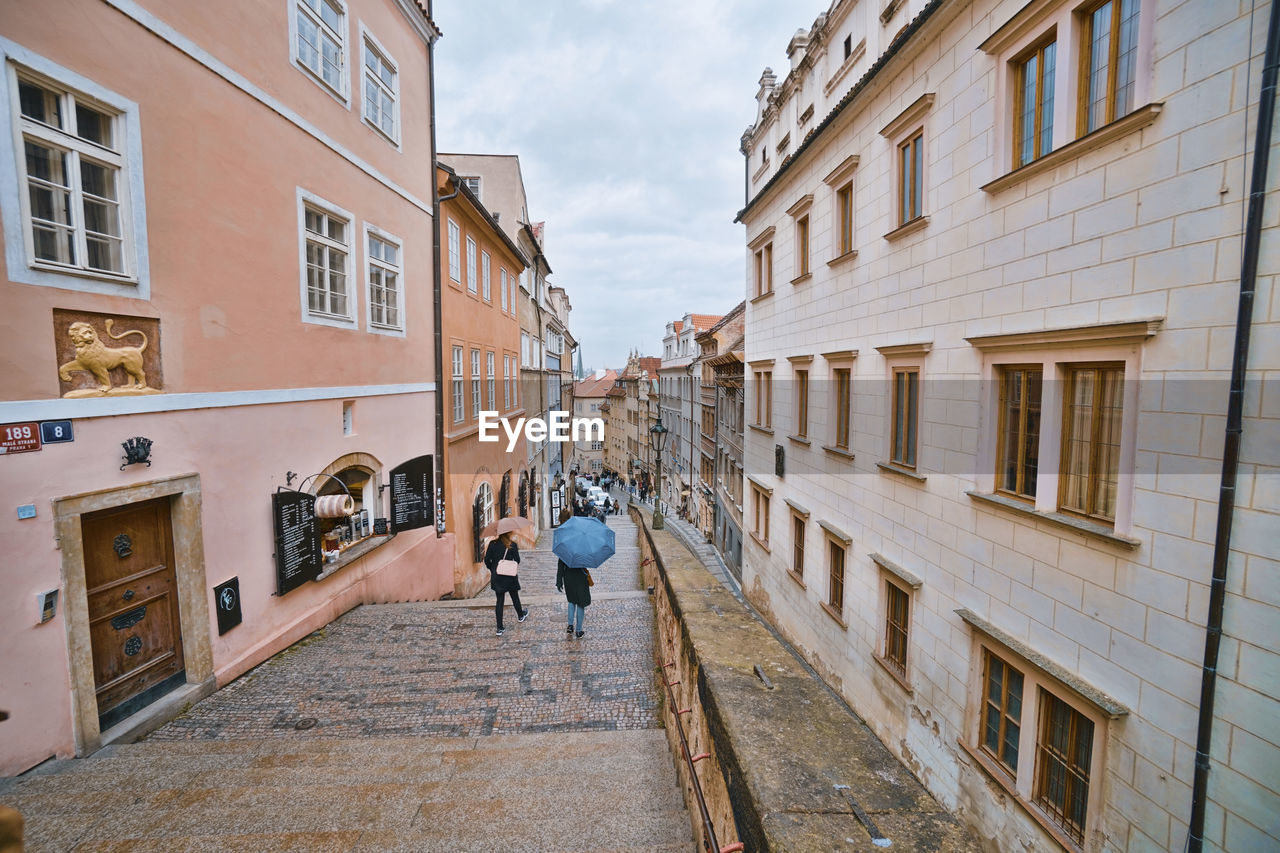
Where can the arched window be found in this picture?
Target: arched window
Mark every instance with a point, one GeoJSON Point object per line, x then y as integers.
{"type": "Point", "coordinates": [359, 481]}
{"type": "Point", "coordinates": [481, 517]}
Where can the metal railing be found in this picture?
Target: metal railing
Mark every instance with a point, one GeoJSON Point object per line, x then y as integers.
{"type": "Point", "coordinates": [709, 841]}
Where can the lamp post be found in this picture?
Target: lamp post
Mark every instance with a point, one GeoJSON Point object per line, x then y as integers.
{"type": "Point", "coordinates": [658, 441]}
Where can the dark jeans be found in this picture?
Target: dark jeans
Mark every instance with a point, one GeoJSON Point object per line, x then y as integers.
{"type": "Point", "coordinates": [515, 602]}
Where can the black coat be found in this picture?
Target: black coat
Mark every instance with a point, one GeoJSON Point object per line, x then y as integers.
{"type": "Point", "coordinates": [495, 552]}
{"type": "Point", "coordinates": [574, 583]}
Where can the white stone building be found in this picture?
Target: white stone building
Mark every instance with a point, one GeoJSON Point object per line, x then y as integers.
{"type": "Point", "coordinates": [994, 257]}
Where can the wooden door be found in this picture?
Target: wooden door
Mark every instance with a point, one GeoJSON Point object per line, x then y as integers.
{"type": "Point", "coordinates": [134, 625]}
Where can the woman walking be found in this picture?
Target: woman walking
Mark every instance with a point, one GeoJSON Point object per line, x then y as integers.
{"type": "Point", "coordinates": [500, 549]}
{"type": "Point", "coordinates": [574, 583]}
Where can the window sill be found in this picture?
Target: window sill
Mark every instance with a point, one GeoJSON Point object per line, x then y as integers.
{"type": "Point", "coordinates": [801, 279]}
{"type": "Point", "coordinates": [761, 296]}
{"type": "Point", "coordinates": [1001, 778]}
{"type": "Point", "coordinates": [1134, 121]}
{"type": "Point", "coordinates": [905, 472]}
{"type": "Point", "coordinates": [82, 272]}
{"type": "Point", "coordinates": [761, 542]}
{"type": "Point", "coordinates": [800, 439]}
{"type": "Point", "coordinates": [917, 224]}
{"type": "Point", "coordinates": [797, 578]}
{"type": "Point", "coordinates": [839, 452]}
{"type": "Point", "coordinates": [894, 674]}
{"type": "Point", "coordinates": [834, 614]}
{"type": "Point", "coordinates": [840, 259]}
{"type": "Point", "coordinates": [1079, 525]}
{"type": "Point", "coordinates": [764, 429]}
{"type": "Point", "coordinates": [353, 553]}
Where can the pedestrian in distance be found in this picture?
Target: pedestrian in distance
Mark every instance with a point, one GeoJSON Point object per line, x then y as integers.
{"type": "Point", "coordinates": [500, 549]}
{"type": "Point", "coordinates": [576, 586]}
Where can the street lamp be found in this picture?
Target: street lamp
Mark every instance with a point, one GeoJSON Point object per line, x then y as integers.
{"type": "Point", "coordinates": [658, 441]}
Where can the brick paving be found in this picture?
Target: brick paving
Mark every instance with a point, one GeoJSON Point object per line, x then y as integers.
{"type": "Point", "coordinates": [436, 668]}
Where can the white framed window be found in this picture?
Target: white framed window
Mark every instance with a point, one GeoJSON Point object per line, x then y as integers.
{"type": "Point", "coordinates": [485, 290]}
{"type": "Point", "coordinates": [524, 349]}
{"type": "Point", "coordinates": [76, 156]}
{"type": "Point", "coordinates": [471, 265]}
{"type": "Point", "coordinates": [459, 407]}
{"type": "Point", "coordinates": [325, 259]}
{"type": "Point", "coordinates": [319, 43]}
{"type": "Point", "coordinates": [506, 382]}
{"type": "Point", "coordinates": [380, 93]}
{"type": "Point", "coordinates": [385, 274]}
{"type": "Point", "coordinates": [491, 376]}
{"type": "Point", "coordinates": [475, 383]}
{"type": "Point", "coordinates": [503, 281]}
{"type": "Point", "coordinates": [455, 252]}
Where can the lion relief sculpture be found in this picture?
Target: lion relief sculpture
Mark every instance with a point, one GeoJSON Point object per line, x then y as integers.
{"type": "Point", "coordinates": [92, 356]}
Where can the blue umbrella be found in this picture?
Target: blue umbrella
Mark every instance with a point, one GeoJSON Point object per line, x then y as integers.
{"type": "Point", "coordinates": [583, 542]}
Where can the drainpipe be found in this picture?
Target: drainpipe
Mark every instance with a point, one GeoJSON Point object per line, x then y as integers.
{"type": "Point", "coordinates": [1234, 431]}
{"type": "Point", "coordinates": [436, 283]}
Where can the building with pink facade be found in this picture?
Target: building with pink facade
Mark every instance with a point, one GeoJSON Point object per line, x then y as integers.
{"type": "Point", "coordinates": [218, 237]}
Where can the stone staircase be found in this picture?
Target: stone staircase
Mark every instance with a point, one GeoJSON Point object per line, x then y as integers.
{"type": "Point", "coordinates": [576, 791]}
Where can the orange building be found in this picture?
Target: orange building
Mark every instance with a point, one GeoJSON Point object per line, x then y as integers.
{"type": "Point", "coordinates": [481, 268]}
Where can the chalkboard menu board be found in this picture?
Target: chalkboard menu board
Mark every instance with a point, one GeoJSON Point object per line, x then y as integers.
{"type": "Point", "coordinates": [297, 540]}
{"type": "Point", "coordinates": [413, 494]}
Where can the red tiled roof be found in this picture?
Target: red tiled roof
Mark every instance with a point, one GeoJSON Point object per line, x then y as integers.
{"type": "Point", "coordinates": [593, 387]}
{"type": "Point", "coordinates": [704, 321]}
{"type": "Point", "coordinates": [678, 325]}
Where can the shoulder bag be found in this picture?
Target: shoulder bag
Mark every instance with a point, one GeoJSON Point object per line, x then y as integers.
{"type": "Point", "coordinates": [507, 567]}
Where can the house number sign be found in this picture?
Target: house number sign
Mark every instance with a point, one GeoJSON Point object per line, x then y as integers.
{"type": "Point", "coordinates": [19, 438]}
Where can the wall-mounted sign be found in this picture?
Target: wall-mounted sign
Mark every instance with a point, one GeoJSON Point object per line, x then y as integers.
{"type": "Point", "coordinates": [19, 438]}
{"type": "Point", "coordinates": [555, 508]}
{"type": "Point", "coordinates": [56, 432]}
{"type": "Point", "coordinates": [297, 539]}
{"type": "Point", "coordinates": [413, 494]}
{"type": "Point", "coordinates": [226, 597]}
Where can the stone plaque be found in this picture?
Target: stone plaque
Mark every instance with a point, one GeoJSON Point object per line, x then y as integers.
{"type": "Point", "coordinates": [107, 355]}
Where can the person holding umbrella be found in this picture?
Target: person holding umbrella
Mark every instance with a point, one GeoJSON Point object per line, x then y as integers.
{"type": "Point", "coordinates": [581, 543]}
{"type": "Point", "coordinates": [502, 559]}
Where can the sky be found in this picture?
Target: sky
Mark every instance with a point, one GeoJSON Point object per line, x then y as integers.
{"type": "Point", "coordinates": [627, 116]}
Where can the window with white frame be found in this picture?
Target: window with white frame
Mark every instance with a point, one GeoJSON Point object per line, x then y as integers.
{"type": "Point", "coordinates": [524, 349]}
{"type": "Point", "coordinates": [385, 296]}
{"type": "Point", "coordinates": [328, 251]}
{"type": "Point", "coordinates": [73, 166]}
{"type": "Point", "coordinates": [455, 251]}
{"type": "Point", "coordinates": [485, 289]}
{"type": "Point", "coordinates": [503, 282]}
{"type": "Point", "coordinates": [471, 265]}
{"type": "Point", "coordinates": [490, 371]}
{"type": "Point", "coordinates": [475, 383]}
{"type": "Point", "coordinates": [320, 45]}
{"type": "Point", "coordinates": [381, 91]}
{"type": "Point", "coordinates": [506, 382]}
{"type": "Point", "coordinates": [459, 406]}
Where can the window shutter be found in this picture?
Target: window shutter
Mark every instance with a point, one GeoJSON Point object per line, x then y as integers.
{"type": "Point", "coordinates": [504, 496]}
{"type": "Point", "coordinates": [476, 517]}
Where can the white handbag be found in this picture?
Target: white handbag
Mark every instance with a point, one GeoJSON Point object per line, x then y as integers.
{"type": "Point", "coordinates": [507, 567]}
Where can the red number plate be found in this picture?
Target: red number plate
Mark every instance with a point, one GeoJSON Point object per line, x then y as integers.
{"type": "Point", "coordinates": [19, 438]}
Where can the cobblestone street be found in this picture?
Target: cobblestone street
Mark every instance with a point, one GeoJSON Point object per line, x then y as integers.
{"type": "Point", "coordinates": [402, 727]}
{"type": "Point", "coordinates": [436, 668]}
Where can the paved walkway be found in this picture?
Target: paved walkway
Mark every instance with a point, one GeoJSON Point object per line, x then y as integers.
{"type": "Point", "coordinates": [403, 727]}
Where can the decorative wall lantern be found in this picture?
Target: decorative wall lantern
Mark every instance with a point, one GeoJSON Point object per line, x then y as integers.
{"type": "Point", "coordinates": [136, 449]}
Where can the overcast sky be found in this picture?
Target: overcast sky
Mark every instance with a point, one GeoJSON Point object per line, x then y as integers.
{"type": "Point", "coordinates": [626, 116]}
